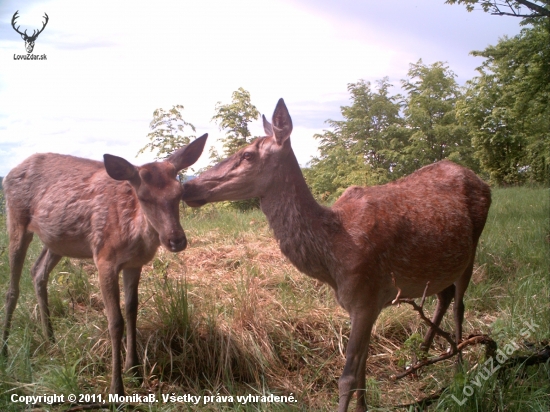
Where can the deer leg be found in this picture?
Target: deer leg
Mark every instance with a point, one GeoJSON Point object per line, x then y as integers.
{"type": "Point", "coordinates": [443, 301]}
{"type": "Point", "coordinates": [40, 273]}
{"type": "Point", "coordinates": [458, 307]}
{"type": "Point", "coordinates": [361, 383]}
{"type": "Point", "coordinates": [19, 243]}
{"type": "Point", "coordinates": [353, 377]}
{"type": "Point", "coordinates": [130, 279]}
{"type": "Point", "coordinates": [108, 282]}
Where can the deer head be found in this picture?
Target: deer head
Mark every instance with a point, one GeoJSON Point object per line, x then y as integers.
{"type": "Point", "coordinates": [251, 171]}
{"type": "Point", "coordinates": [29, 40]}
{"type": "Point", "coordinates": [158, 190]}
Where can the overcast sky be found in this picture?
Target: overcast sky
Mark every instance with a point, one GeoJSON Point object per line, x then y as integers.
{"type": "Point", "coordinates": [110, 64]}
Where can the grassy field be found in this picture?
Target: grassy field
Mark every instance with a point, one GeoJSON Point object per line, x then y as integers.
{"type": "Point", "coordinates": [231, 317]}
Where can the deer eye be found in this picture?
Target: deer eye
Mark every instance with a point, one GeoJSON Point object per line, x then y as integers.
{"type": "Point", "coordinates": [248, 155]}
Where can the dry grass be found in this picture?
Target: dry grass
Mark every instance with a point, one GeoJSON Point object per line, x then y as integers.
{"type": "Point", "coordinates": [256, 324]}
{"type": "Point", "coordinates": [241, 290]}
{"type": "Point", "coordinates": [231, 315]}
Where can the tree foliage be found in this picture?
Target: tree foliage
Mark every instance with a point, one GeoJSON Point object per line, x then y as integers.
{"type": "Point", "coordinates": [2, 199]}
{"type": "Point", "coordinates": [432, 94]}
{"type": "Point", "coordinates": [498, 124]}
{"type": "Point", "coordinates": [167, 132]}
{"type": "Point", "coordinates": [516, 8]}
{"type": "Point", "coordinates": [234, 118]}
{"type": "Point", "coordinates": [383, 137]}
{"type": "Point", "coordinates": [507, 107]}
{"type": "Point", "coordinates": [361, 149]}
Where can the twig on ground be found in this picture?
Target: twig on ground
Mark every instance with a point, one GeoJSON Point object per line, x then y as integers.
{"type": "Point", "coordinates": [484, 339]}
{"type": "Point", "coordinates": [541, 356]}
{"type": "Point", "coordinates": [424, 294]}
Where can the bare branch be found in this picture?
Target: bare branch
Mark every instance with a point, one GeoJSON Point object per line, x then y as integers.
{"type": "Point", "coordinates": [494, 7]}
{"type": "Point", "coordinates": [484, 339]}
{"type": "Point", "coordinates": [541, 356]}
{"type": "Point", "coordinates": [502, 13]}
{"type": "Point", "coordinates": [447, 336]}
{"type": "Point", "coordinates": [472, 340]}
{"type": "Point", "coordinates": [424, 294]}
{"type": "Point", "coordinates": [542, 11]}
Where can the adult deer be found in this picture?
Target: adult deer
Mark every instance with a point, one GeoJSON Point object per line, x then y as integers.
{"type": "Point", "coordinates": [372, 243]}
{"type": "Point", "coordinates": [114, 212]}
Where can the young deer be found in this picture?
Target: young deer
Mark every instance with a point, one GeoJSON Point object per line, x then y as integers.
{"type": "Point", "coordinates": [372, 243]}
{"type": "Point", "coordinates": [114, 212]}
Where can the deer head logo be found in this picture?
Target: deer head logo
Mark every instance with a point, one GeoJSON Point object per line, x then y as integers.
{"type": "Point", "coordinates": [29, 40]}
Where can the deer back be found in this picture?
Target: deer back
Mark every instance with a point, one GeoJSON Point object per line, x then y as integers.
{"type": "Point", "coordinates": [73, 205]}
{"type": "Point", "coordinates": [414, 227]}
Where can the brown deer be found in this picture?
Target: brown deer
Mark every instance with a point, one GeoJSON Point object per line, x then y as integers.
{"type": "Point", "coordinates": [371, 244]}
{"type": "Point", "coordinates": [114, 212]}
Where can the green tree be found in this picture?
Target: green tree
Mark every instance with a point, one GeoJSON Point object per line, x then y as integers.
{"type": "Point", "coordinates": [334, 170]}
{"type": "Point", "coordinates": [234, 119]}
{"type": "Point", "coordinates": [507, 107]}
{"type": "Point", "coordinates": [2, 200]}
{"type": "Point", "coordinates": [432, 93]}
{"type": "Point", "coordinates": [535, 8]}
{"type": "Point", "coordinates": [362, 149]}
{"type": "Point", "coordinates": [167, 135]}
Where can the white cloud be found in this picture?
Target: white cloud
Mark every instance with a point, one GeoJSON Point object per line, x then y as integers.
{"type": "Point", "coordinates": [111, 64]}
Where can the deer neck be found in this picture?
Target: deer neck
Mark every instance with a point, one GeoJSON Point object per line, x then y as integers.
{"type": "Point", "coordinates": [303, 228]}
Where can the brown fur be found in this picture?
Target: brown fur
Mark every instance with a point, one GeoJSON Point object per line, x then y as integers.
{"type": "Point", "coordinates": [77, 209]}
{"type": "Point", "coordinates": [374, 240]}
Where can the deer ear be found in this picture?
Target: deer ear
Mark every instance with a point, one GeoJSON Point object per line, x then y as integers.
{"type": "Point", "coordinates": [282, 123]}
{"type": "Point", "coordinates": [189, 154]}
{"type": "Point", "coordinates": [268, 129]}
{"type": "Point", "coordinates": [119, 168]}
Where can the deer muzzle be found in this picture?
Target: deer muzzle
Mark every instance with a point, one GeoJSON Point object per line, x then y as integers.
{"type": "Point", "coordinates": [177, 243]}
{"type": "Point", "coordinates": [193, 195]}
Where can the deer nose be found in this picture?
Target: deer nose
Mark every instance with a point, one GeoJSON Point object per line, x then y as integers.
{"type": "Point", "coordinates": [178, 243]}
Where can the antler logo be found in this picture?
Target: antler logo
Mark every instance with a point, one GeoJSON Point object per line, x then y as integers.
{"type": "Point", "coordinates": [29, 40]}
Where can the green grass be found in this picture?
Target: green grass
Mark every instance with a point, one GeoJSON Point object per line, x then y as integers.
{"type": "Point", "coordinates": [231, 316]}
{"type": "Point", "coordinates": [511, 290]}
{"type": "Point", "coordinates": [514, 258]}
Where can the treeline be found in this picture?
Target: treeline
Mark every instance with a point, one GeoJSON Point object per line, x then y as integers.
{"type": "Point", "coordinates": [498, 124]}
{"type": "Point", "coordinates": [2, 200]}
